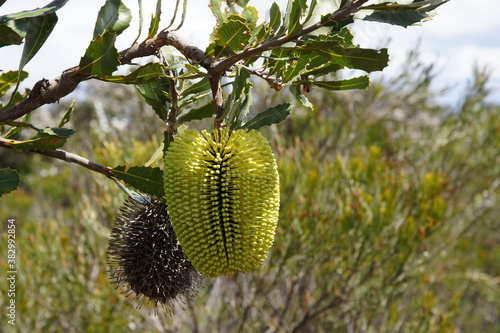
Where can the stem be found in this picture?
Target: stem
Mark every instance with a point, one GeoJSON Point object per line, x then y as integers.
{"type": "Point", "coordinates": [67, 157]}
{"type": "Point", "coordinates": [218, 101]}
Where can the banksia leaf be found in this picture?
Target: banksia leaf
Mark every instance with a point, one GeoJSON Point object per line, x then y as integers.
{"type": "Point", "coordinates": [146, 259]}
{"type": "Point", "coordinates": [222, 190]}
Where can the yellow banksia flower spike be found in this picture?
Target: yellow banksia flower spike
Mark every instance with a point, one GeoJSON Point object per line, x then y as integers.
{"type": "Point", "coordinates": [222, 193]}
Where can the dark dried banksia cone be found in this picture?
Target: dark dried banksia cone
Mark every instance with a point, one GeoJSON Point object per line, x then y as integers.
{"type": "Point", "coordinates": [222, 190]}
{"type": "Point", "coordinates": [146, 259]}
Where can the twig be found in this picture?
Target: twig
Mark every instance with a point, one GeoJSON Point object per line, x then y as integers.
{"type": "Point", "coordinates": [67, 157]}
{"type": "Point", "coordinates": [277, 85]}
{"type": "Point", "coordinates": [47, 92]}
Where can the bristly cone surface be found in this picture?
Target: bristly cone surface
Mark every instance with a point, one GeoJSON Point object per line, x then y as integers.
{"type": "Point", "coordinates": [222, 191]}
{"type": "Point", "coordinates": [146, 259]}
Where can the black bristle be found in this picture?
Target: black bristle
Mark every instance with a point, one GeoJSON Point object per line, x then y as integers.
{"type": "Point", "coordinates": [145, 258]}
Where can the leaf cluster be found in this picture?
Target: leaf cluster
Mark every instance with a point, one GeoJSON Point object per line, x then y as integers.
{"type": "Point", "coordinates": [300, 47]}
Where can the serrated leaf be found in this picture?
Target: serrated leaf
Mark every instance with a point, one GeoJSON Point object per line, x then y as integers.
{"type": "Point", "coordinates": [355, 58]}
{"type": "Point", "coordinates": [274, 17]}
{"type": "Point", "coordinates": [277, 60]}
{"type": "Point", "coordinates": [296, 91]}
{"type": "Point", "coordinates": [16, 130]}
{"type": "Point", "coordinates": [317, 9]}
{"type": "Point", "coordinates": [273, 115]}
{"type": "Point", "coordinates": [8, 36]}
{"type": "Point", "coordinates": [318, 66]}
{"type": "Point", "coordinates": [251, 15]}
{"type": "Point", "coordinates": [10, 79]}
{"type": "Point", "coordinates": [37, 32]}
{"type": "Point", "coordinates": [361, 82]}
{"type": "Point", "coordinates": [232, 36]}
{"type": "Point", "coordinates": [48, 9]}
{"type": "Point", "coordinates": [215, 8]}
{"type": "Point", "coordinates": [295, 68]}
{"type": "Point", "coordinates": [198, 87]}
{"type": "Point", "coordinates": [293, 14]}
{"type": "Point", "coordinates": [39, 141]}
{"type": "Point", "coordinates": [205, 111]}
{"type": "Point", "coordinates": [101, 57]}
{"type": "Point", "coordinates": [9, 180]}
{"type": "Point", "coordinates": [155, 20]}
{"type": "Point", "coordinates": [145, 179]}
{"type": "Point", "coordinates": [403, 15]}
{"type": "Point", "coordinates": [67, 115]}
{"type": "Point", "coordinates": [144, 74]}
{"type": "Point", "coordinates": [156, 94]}
{"type": "Point", "coordinates": [113, 17]}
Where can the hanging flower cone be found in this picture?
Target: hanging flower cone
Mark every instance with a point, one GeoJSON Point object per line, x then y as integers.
{"type": "Point", "coordinates": [222, 192]}
{"type": "Point", "coordinates": [145, 258]}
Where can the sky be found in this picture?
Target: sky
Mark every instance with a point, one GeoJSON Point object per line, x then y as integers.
{"type": "Point", "coordinates": [461, 35]}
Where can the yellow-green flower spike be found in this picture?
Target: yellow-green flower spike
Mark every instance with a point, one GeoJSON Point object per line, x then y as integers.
{"type": "Point", "coordinates": [222, 194]}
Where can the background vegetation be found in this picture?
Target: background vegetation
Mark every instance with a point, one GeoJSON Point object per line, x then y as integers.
{"type": "Point", "coordinates": [389, 218]}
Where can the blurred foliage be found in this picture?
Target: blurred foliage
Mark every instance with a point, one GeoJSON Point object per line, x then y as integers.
{"type": "Point", "coordinates": [388, 222]}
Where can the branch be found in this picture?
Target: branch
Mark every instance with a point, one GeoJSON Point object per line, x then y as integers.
{"type": "Point", "coordinates": [47, 92]}
{"type": "Point", "coordinates": [216, 88]}
{"type": "Point", "coordinates": [67, 157]}
{"type": "Point", "coordinates": [340, 15]}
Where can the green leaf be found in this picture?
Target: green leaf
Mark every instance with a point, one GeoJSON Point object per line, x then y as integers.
{"type": "Point", "coordinates": [202, 112]}
{"type": "Point", "coordinates": [44, 139]}
{"type": "Point", "coordinates": [361, 82]}
{"type": "Point", "coordinates": [38, 30]}
{"type": "Point", "coordinates": [239, 100]}
{"type": "Point", "coordinates": [274, 17]}
{"type": "Point", "coordinates": [67, 115]}
{"type": "Point", "coordinates": [158, 155]}
{"type": "Point", "coordinates": [155, 21]}
{"type": "Point", "coordinates": [273, 115]}
{"type": "Point", "coordinates": [10, 79]}
{"type": "Point", "coordinates": [113, 17]}
{"type": "Point", "coordinates": [9, 180]}
{"type": "Point", "coordinates": [251, 15]}
{"type": "Point", "coordinates": [293, 14]}
{"type": "Point", "coordinates": [184, 11]}
{"type": "Point", "coordinates": [200, 86]}
{"type": "Point", "coordinates": [16, 130]}
{"type": "Point", "coordinates": [156, 94]}
{"type": "Point", "coordinates": [144, 74]}
{"type": "Point", "coordinates": [101, 57]}
{"type": "Point", "coordinates": [356, 58]}
{"type": "Point", "coordinates": [317, 9]}
{"type": "Point", "coordinates": [402, 14]}
{"type": "Point", "coordinates": [19, 26]}
{"type": "Point", "coordinates": [48, 9]}
{"type": "Point", "coordinates": [141, 20]}
{"type": "Point", "coordinates": [215, 8]}
{"type": "Point", "coordinates": [297, 92]}
{"type": "Point", "coordinates": [295, 68]}
{"type": "Point", "coordinates": [232, 36]}
{"type": "Point", "coordinates": [8, 36]}
{"type": "Point", "coordinates": [145, 179]}
{"type": "Point", "coordinates": [318, 66]}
